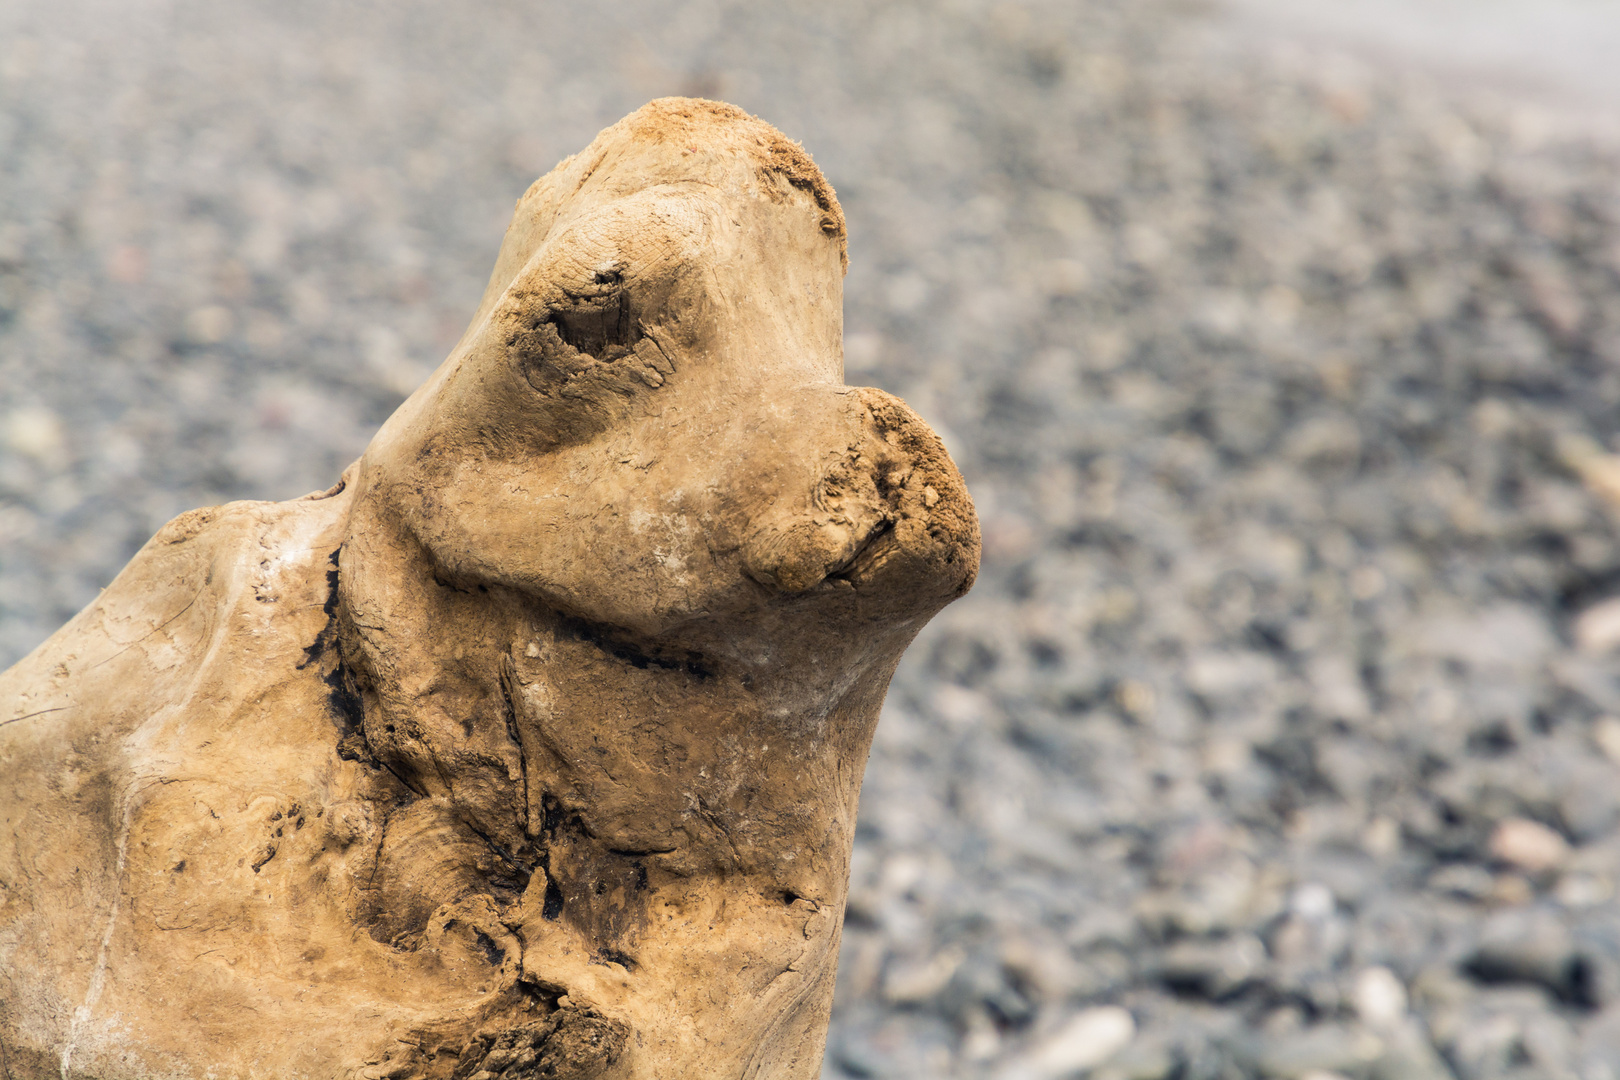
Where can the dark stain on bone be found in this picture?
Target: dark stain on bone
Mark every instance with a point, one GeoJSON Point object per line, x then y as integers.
{"type": "Point", "coordinates": [599, 324]}
{"type": "Point", "coordinates": [343, 699]}
{"type": "Point", "coordinates": [513, 870]}
{"type": "Point", "coordinates": [508, 670]}
{"type": "Point", "coordinates": [328, 635]}
{"type": "Point", "coordinates": [552, 908]}
{"type": "Point", "coordinates": [613, 956]}
{"type": "Point", "coordinates": [349, 713]}
{"type": "Point", "coordinates": [597, 889]}
{"type": "Point", "coordinates": [264, 856]}
{"type": "Point", "coordinates": [570, 1044]}
{"type": "Point", "coordinates": [492, 952]}
{"type": "Point", "coordinates": [622, 646]}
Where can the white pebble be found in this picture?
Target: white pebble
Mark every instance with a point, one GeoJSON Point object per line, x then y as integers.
{"type": "Point", "coordinates": [1379, 997]}
{"type": "Point", "coordinates": [1528, 845]}
{"type": "Point", "coordinates": [1087, 1040]}
{"type": "Point", "coordinates": [34, 432]}
{"type": "Point", "coordinates": [1597, 629]}
{"type": "Point", "coordinates": [1312, 900]}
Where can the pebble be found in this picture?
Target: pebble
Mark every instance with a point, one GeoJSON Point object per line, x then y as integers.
{"type": "Point", "coordinates": [1597, 629]}
{"type": "Point", "coordinates": [1606, 733]}
{"type": "Point", "coordinates": [1528, 845]}
{"type": "Point", "coordinates": [1536, 947]}
{"type": "Point", "coordinates": [1325, 1048]}
{"type": "Point", "coordinates": [907, 983]}
{"type": "Point", "coordinates": [1214, 970]}
{"type": "Point", "coordinates": [1083, 1042]}
{"type": "Point", "coordinates": [34, 432]}
{"type": "Point", "coordinates": [1379, 997]}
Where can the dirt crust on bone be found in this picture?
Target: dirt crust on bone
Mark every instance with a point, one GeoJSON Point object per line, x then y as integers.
{"type": "Point", "coordinates": [531, 749]}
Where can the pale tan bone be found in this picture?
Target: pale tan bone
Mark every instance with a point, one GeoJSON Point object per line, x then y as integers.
{"type": "Point", "coordinates": [532, 749]}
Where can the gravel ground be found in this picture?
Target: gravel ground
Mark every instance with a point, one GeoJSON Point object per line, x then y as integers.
{"type": "Point", "coordinates": [1280, 737]}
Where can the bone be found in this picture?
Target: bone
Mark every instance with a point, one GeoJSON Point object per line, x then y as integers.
{"type": "Point", "coordinates": [531, 748]}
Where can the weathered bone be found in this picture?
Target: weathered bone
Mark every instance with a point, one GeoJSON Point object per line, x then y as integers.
{"type": "Point", "coordinates": [532, 748]}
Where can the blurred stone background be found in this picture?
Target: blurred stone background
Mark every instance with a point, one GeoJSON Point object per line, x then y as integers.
{"type": "Point", "coordinates": [1280, 736]}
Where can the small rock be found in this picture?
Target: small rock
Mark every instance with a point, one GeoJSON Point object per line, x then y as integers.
{"type": "Point", "coordinates": [34, 432]}
{"type": "Point", "coordinates": [1502, 638]}
{"type": "Point", "coordinates": [1535, 947]}
{"type": "Point", "coordinates": [1087, 1040]}
{"type": "Point", "coordinates": [1511, 890]}
{"type": "Point", "coordinates": [1528, 845]}
{"type": "Point", "coordinates": [1213, 970]}
{"type": "Point", "coordinates": [1379, 997]}
{"type": "Point", "coordinates": [1584, 890]}
{"type": "Point", "coordinates": [1044, 966]}
{"type": "Point", "coordinates": [981, 984]}
{"type": "Point", "coordinates": [914, 981]}
{"type": "Point", "coordinates": [209, 325]}
{"type": "Point", "coordinates": [1381, 838]}
{"type": "Point", "coordinates": [1312, 900]}
{"type": "Point", "coordinates": [1606, 733]}
{"type": "Point", "coordinates": [1597, 629]}
{"type": "Point", "coordinates": [1327, 1048]}
{"type": "Point", "coordinates": [1598, 470]}
{"type": "Point", "coordinates": [1463, 881]}
{"type": "Point", "coordinates": [1146, 1058]}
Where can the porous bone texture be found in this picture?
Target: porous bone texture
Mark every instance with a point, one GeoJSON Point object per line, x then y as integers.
{"type": "Point", "coordinates": [532, 748]}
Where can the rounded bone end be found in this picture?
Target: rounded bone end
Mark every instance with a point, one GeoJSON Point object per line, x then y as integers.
{"type": "Point", "coordinates": [936, 547]}
{"type": "Point", "coordinates": [683, 120]}
{"type": "Point", "coordinates": [893, 521]}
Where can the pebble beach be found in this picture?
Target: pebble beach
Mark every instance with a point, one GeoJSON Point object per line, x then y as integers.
{"type": "Point", "coordinates": [1280, 737]}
